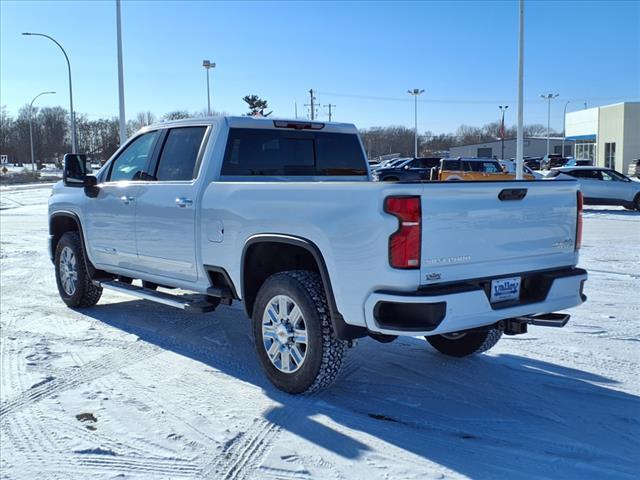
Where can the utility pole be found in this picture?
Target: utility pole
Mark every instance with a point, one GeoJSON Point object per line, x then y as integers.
{"type": "Point", "coordinates": [123, 121]}
{"type": "Point", "coordinates": [311, 104]}
{"type": "Point", "coordinates": [415, 92]}
{"type": "Point", "coordinates": [502, 109]}
{"type": "Point", "coordinates": [548, 97]}
{"type": "Point", "coordinates": [295, 106]}
{"type": "Point", "coordinates": [329, 106]}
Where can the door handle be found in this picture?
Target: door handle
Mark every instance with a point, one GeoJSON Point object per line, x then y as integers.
{"type": "Point", "coordinates": [126, 199]}
{"type": "Point", "coordinates": [184, 202]}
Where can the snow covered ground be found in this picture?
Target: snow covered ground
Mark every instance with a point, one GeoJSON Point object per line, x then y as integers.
{"type": "Point", "coordinates": [132, 389]}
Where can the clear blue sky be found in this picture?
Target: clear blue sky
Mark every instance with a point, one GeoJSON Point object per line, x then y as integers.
{"type": "Point", "coordinates": [464, 54]}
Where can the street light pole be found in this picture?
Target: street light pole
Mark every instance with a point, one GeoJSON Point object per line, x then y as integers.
{"type": "Point", "coordinates": [502, 109]}
{"type": "Point", "coordinates": [520, 132]}
{"type": "Point", "coordinates": [548, 98]}
{"type": "Point", "coordinates": [564, 125]}
{"type": "Point", "coordinates": [415, 92]}
{"type": "Point", "coordinates": [123, 121]}
{"type": "Point", "coordinates": [72, 116]}
{"type": "Point", "coordinates": [207, 65]}
{"type": "Point", "coordinates": [33, 161]}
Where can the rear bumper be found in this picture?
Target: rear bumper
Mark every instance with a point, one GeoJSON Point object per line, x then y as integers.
{"type": "Point", "coordinates": [460, 306]}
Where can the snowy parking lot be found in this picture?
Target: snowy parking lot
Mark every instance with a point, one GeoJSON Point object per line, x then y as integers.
{"type": "Point", "coordinates": [133, 389]}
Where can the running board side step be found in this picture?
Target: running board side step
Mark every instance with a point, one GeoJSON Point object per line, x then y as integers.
{"type": "Point", "coordinates": [188, 302]}
{"type": "Point", "coordinates": [518, 325]}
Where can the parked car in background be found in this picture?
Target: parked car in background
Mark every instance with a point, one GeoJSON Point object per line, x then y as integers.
{"type": "Point", "coordinates": [509, 166]}
{"type": "Point", "coordinates": [602, 186]}
{"type": "Point", "coordinates": [634, 168]}
{"type": "Point", "coordinates": [534, 163]}
{"type": "Point", "coordinates": [553, 160]}
{"type": "Point", "coordinates": [572, 162]}
{"type": "Point", "coordinates": [473, 169]}
{"type": "Point", "coordinates": [413, 169]}
{"type": "Point", "coordinates": [391, 161]}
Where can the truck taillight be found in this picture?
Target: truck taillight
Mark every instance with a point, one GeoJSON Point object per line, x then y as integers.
{"type": "Point", "coordinates": [579, 221]}
{"type": "Point", "coordinates": [404, 244]}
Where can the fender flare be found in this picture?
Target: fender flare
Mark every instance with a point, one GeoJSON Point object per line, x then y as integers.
{"type": "Point", "coordinates": [73, 216]}
{"type": "Point", "coordinates": [342, 330]}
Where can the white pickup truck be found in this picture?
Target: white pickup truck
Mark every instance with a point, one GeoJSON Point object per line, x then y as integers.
{"type": "Point", "coordinates": [283, 215]}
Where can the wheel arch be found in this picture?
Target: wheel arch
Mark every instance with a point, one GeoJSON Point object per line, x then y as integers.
{"type": "Point", "coordinates": [62, 222]}
{"type": "Point", "coordinates": [302, 254]}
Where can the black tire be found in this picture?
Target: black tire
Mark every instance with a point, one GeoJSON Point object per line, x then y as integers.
{"type": "Point", "coordinates": [85, 293]}
{"type": "Point", "coordinates": [323, 353]}
{"type": "Point", "coordinates": [390, 179]}
{"type": "Point", "coordinates": [636, 202]}
{"type": "Point", "coordinates": [466, 343]}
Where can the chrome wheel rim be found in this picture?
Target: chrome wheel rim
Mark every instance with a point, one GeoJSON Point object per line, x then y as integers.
{"type": "Point", "coordinates": [68, 271]}
{"type": "Point", "coordinates": [453, 335]}
{"type": "Point", "coordinates": [284, 334]}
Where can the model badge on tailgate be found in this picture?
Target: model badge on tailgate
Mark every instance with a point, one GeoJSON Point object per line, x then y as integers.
{"type": "Point", "coordinates": [443, 260]}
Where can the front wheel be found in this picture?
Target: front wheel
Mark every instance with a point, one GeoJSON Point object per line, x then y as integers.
{"type": "Point", "coordinates": [293, 334]}
{"type": "Point", "coordinates": [74, 284]}
{"type": "Point", "coordinates": [461, 344]}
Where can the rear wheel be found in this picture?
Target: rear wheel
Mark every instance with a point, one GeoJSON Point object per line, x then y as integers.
{"type": "Point", "coordinates": [293, 334]}
{"type": "Point", "coordinates": [461, 344]}
{"type": "Point", "coordinates": [74, 285]}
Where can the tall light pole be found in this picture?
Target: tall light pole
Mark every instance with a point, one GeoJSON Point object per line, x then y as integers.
{"type": "Point", "coordinates": [72, 115]}
{"type": "Point", "coordinates": [564, 125]}
{"type": "Point", "coordinates": [33, 161]}
{"type": "Point", "coordinates": [207, 65]}
{"type": "Point", "coordinates": [415, 92]}
{"type": "Point", "coordinates": [520, 134]}
{"type": "Point", "coordinates": [123, 121]}
{"type": "Point", "coordinates": [502, 109]}
{"type": "Point", "coordinates": [548, 97]}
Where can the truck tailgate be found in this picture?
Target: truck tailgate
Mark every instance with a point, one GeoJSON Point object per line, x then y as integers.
{"type": "Point", "coordinates": [469, 232]}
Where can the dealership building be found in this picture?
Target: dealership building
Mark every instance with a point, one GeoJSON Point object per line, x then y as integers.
{"type": "Point", "coordinates": [532, 147]}
{"type": "Point", "coordinates": [609, 136]}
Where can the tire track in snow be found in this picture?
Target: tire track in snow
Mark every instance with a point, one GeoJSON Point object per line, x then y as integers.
{"type": "Point", "coordinates": [247, 451]}
{"type": "Point", "coordinates": [103, 366]}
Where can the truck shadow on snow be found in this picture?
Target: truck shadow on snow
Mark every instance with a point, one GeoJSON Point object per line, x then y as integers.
{"type": "Point", "coordinates": [490, 416]}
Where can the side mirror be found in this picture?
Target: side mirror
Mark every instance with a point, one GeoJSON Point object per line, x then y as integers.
{"type": "Point", "coordinates": [75, 169]}
{"type": "Point", "coordinates": [91, 186]}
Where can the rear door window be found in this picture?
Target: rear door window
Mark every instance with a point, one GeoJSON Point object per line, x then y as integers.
{"type": "Point", "coordinates": [180, 154]}
{"type": "Point", "coordinates": [451, 164]}
{"type": "Point", "coordinates": [266, 152]}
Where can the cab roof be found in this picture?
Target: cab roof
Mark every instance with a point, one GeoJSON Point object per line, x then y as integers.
{"type": "Point", "coordinates": [259, 123]}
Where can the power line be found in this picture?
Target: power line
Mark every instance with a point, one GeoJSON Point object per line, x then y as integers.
{"type": "Point", "coordinates": [463, 101]}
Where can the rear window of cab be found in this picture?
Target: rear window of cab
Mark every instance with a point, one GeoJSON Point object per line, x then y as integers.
{"type": "Point", "coordinates": [266, 152]}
